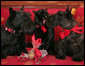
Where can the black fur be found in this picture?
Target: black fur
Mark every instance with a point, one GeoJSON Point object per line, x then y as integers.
{"type": "Point", "coordinates": [40, 16]}
{"type": "Point", "coordinates": [14, 44]}
{"type": "Point", "coordinates": [73, 45]}
{"type": "Point", "coordinates": [46, 41]}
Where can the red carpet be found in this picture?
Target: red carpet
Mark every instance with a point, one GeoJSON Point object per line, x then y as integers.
{"type": "Point", "coordinates": [50, 60]}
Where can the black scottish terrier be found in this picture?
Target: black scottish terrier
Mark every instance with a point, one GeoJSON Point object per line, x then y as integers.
{"type": "Point", "coordinates": [38, 20]}
{"type": "Point", "coordinates": [13, 33]}
{"type": "Point", "coordinates": [40, 33]}
{"type": "Point", "coordinates": [71, 45]}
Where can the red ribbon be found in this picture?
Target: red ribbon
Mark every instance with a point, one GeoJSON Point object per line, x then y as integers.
{"type": "Point", "coordinates": [43, 28]}
{"type": "Point", "coordinates": [75, 29]}
{"type": "Point", "coordinates": [9, 29]}
{"type": "Point", "coordinates": [36, 45]}
{"type": "Point", "coordinates": [22, 58]}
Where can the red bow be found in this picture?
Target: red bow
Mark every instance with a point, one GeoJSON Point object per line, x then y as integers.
{"type": "Point", "coordinates": [36, 45]}
{"type": "Point", "coordinates": [43, 28]}
{"type": "Point", "coordinates": [75, 29]}
{"type": "Point", "coordinates": [9, 29]}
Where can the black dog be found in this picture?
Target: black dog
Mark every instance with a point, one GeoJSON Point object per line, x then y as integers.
{"type": "Point", "coordinates": [39, 32]}
{"type": "Point", "coordinates": [13, 33]}
{"type": "Point", "coordinates": [73, 44]}
{"type": "Point", "coordinates": [38, 20]}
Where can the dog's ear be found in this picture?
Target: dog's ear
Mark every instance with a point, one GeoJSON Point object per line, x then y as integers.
{"type": "Point", "coordinates": [35, 12]}
{"type": "Point", "coordinates": [22, 8]}
{"type": "Point", "coordinates": [46, 11]}
{"type": "Point", "coordinates": [67, 9]}
{"type": "Point", "coordinates": [11, 11]}
{"type": "Point", "coordinates": [68, 13]}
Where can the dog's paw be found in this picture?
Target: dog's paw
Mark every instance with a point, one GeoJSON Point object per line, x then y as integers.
{"type": "Point", "coordinates": [50, 53]}
{"type": "Point", "coordinates": [77, 59]}
{"type": "Point", "coordinates": [3, 57]}
{"type": "Point", "coordinates": [60, 57]}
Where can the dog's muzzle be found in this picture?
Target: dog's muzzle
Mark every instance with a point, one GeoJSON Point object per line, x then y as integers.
{"type": "Point", "coordinates": [11, 30]}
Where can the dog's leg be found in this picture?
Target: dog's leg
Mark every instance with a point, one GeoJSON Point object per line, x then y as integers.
{"type": "Point", "coordinates": [21, 48]}
{"type": "Point", "coordinates": [78, 54]}
{"type": "Point", "coordinates": [3, 53]}
{"type": "Point", "coordinates": [51, 49]}
{"type": "Point", "coordinates": [18, 50]}
{"type": "Point", "coordinates": [24, 47]}
{"type": "Point", "coordinates": [60, 51]}
{"type": "Point", "coordinates": [18, 53]}
{"type": "Point", "coordinates": [50, 42]}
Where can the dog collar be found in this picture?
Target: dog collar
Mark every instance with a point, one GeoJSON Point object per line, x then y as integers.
{"type": "Point", "coordinates": [9, 29]}
{"type": "Point", "coordinates": [75, 29]}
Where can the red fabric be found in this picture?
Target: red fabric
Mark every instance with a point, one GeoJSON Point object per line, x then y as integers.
{"type": "Point", "coordinates": [43, 28]}
{"type": "Point", "coordinates": [50, 60]}
{"type": "Point", "coordinates": [38, 53]}
{"type": "Point", "coordinates": [75, 29]}
{"type": "Point", "coordinates": [9, 29]}
{"type": "Point", "coordinates": [22, 57]}
{"type": "Point", "coordinates": [36, 44]}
